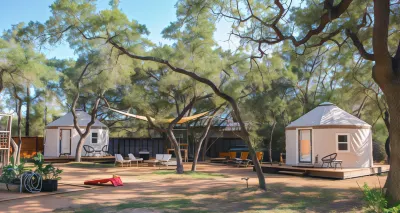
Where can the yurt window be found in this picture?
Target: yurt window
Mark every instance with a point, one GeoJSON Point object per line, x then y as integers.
{"type": "Point", "coordinates": [343, 142]}
{"type": "Point", "coordinates": [94, 137]}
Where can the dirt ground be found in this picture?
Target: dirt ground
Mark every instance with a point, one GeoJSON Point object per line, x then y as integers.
{"type": "Point", "coordinates": [216, 189]}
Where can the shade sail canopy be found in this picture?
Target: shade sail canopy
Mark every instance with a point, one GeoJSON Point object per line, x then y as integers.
{"type": "Point", "coordinates": [328, 114]}
{"type": "Point", "coordinates": [181, 121]}
{"type": "Point", "coordinates": [68, 120]}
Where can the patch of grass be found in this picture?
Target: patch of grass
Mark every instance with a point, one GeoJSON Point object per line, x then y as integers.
{"type": "Point", "coordinates": [182, 205]}
{"type": "Point", "coordinates": [173, 204]}
{"type": "Point", "coordinates": [197, 175]}
{"type": "Point", "coordinates": [89, 165]}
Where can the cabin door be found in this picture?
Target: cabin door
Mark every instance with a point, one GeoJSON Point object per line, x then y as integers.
{"type": "Point", "coordinates": [65, 141]}
{"type": "Point", "coordinates": [305, 145]}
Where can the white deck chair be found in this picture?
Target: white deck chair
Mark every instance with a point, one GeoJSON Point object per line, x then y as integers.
{"type": "Point", "coordinates": [163, 158]}
{"type": "Point", "coordinates": [120, 159]}
{"type": "Point", "coordinates": [134, 159]}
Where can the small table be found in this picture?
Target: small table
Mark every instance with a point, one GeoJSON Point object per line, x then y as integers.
{"type": "Point", "coordinates": [336, 162]}
{"type": "Point", "coordinates": [151, 163]}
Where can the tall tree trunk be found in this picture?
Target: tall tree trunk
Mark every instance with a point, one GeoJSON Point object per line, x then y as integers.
{"type": "Point", "coordinates": [387, 148]}
{"type": "Point", "coordinates": [203, 157]}
{"type": "Point", "coordinates": [270, 142]}
{"type": "Point", "coordinates": [200, 143]}
{"type": "Point", "coordinates": [19, 129]}
{"type": "Point", "coordinates": [387, 143]}
{"type": "Point", "coordinates": [28, 109]}
{"type": "Point", "coordinates": [1, 81]}
{"type": "Point", "coordinates": [177, 149]}
{"type": "Point", "coordinates": [15, 150]}
{"type": "Point", "coordinates": [393, 180]}
{"type": "Point", "coordinates": [257, 167]}
{"type": "Point", "coordinates": [79, 147]}
{"type": "Point", "coordinates": [83, 135]}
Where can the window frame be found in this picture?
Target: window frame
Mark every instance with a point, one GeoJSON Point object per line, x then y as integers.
{"type": "Point", "coordinates": [348, 142]}
{"type": "Point", "coordinates": [97, 138]}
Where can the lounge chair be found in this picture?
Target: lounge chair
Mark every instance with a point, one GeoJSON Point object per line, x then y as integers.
{"type": "Point", "coordinates": [328, 160]}
{"type": "Point", "coordinates": [134, 159]}
{"type": "Point", "coordinates": [120, 159]}
{"type": "Point", "coordinates": [88, 150]}
{"type": "Point", "coordinates": [163, 159]}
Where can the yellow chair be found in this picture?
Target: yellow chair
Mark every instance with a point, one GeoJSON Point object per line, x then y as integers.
{"type": "Point", "coordinates": [223, 154]}
{"type": "Point", "coordinates": [232, 155]}
{"type": "Point", "coordinates": [244, 161]}
{"type": "Point", "coordinates": [244, 155]}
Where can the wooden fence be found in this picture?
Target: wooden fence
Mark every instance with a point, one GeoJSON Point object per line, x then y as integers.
{"type": "Point", "coordinates": [30, 146]}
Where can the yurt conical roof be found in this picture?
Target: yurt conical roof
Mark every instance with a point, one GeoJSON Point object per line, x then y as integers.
{"type": "Point", "coordinates": [68, 121]}
{"type": "Point", "coordinates": [328, 115]}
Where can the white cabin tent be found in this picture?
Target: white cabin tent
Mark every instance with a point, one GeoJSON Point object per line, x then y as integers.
{"type": "Point", "coordinates": [325, 130]}
{"type": "Point", "coordinates": [62, 138]}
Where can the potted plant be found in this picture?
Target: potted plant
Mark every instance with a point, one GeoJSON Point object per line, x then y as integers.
{"type": "Point", "coordinates": [11, 173]}
{"type": "Point", "coordinates": [49, 173]}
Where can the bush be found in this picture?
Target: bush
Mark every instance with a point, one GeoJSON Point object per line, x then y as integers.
{"type": "Point", "coordinates": [378, 151]}
{"type": "Point", "coordinates": [48, 172]}
{"type": "Point", "coordinates": [376, 201]}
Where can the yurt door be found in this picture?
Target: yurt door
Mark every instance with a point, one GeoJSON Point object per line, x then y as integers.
{"type": "Point", "coordinates": [65, 141]}
{"type": "Point", "coordinates": [305, 146]}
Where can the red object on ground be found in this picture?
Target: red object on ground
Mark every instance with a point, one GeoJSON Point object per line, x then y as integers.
{"type": "Point", "coordinates": [115, 181]}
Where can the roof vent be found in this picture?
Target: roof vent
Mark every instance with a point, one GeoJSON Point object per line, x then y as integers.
{"type": "Point", "coordinates": [326, 104]}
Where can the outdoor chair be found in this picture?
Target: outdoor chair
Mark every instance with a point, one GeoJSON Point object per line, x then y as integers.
{"type": "Point", "coordinates": [243, 160]}
{"type": "Point", "coordinates": [120, 159]}
{"type": "Point", "coordinates": [134, 159]}
{"type": "Point", "coordinates": [88, 149]}
{"type": "Point", "coordinates": [329, 159]}
{"type": "Point", "coordinates": [163, 159]}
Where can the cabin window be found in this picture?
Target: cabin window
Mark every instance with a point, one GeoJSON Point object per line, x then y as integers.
{"type": "Point", "coordinates": [343, 142]}
{"type": "Point", "coordinates": [94, 137]}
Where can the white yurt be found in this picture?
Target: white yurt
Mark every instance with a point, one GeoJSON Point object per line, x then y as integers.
{"type": "Point", "coordinates": [61, 138]}
{"type": "Point", "coordinates": [325, 130]}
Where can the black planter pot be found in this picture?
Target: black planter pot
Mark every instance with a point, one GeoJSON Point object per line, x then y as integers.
{"type": "Point", "coordinates": [49, 185]}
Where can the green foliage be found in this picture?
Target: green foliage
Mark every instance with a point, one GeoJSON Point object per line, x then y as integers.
{"type": "Point", "coordinates": [376, 201]}
{"type": "Point", "coordinates": [48, 172]}
{"type": "Point", "coordinates": [12, 171]}
{"type": "Point", "coordinates": [378, 151]}
{"type": "Point", "coordinates": [195, 175]}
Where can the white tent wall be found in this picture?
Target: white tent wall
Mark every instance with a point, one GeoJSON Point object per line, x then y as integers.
{"type": "Point", "coordinates": [52, 143]}
{"type": "Point", "coordinates": [324, 142]}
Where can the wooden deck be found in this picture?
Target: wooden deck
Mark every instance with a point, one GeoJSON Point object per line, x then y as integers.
{"type": "Point", "coordinates": [65, 159]}
{"type": "Point", "coordinates": [338, 173]}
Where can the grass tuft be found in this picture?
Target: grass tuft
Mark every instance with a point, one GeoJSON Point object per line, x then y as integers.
{"type": "Point", "coordinates": [89, 165]}
{"type": "Point", "coordinates": [197, 175]}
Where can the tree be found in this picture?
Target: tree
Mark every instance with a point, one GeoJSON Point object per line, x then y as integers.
{"type": "Point", "coordinates": [124, 36]}
{"type": "Point", "coordinates": [198, 141]}
{"type": "Point", "coordinates": [330, 24]}
{"type": "Point", "coordinates": [21, 65]}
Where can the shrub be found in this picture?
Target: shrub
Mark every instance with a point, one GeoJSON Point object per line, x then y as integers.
{"type": "Point", "coordinates": [376, 201]}
{"type": "Point", "coordinates": [378, 151]}
{"type": "Point", "coordinates": [48, 172]}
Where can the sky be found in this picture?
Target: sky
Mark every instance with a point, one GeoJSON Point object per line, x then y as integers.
{"type": "Point", "coordinates": [155, 14]}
